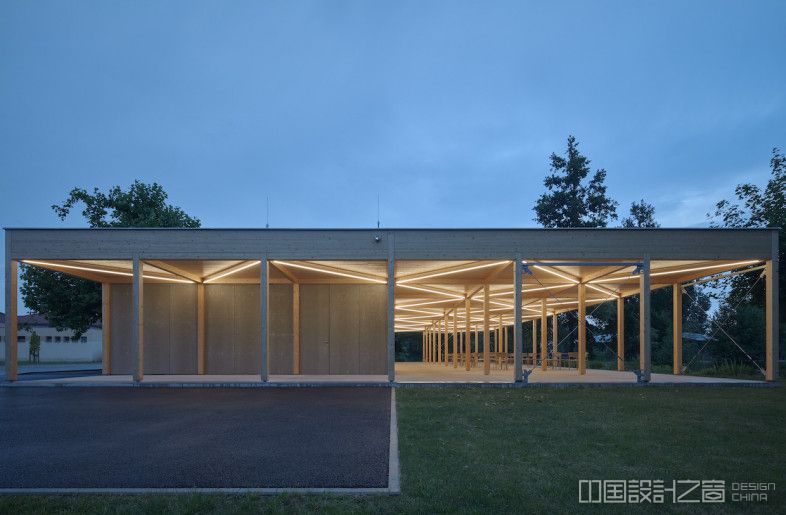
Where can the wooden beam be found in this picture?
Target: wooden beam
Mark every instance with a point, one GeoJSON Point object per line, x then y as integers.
{"type": "Point", "coordinates": [264, 292]}
{"type": "Point", "coordinates": [172, 269]}
{"type": "Point", "coordinates": [284, 270]}
{"type": "Point", "coordinates": [455, 337]}
{"type": "Point", "coordinates": [645, 349]}
{"type": "Point", "coordinates": [486, 331]}
{"type": "Point", "coordinates": [500, 342]}
{"type": "Point", "coordinates": [106, 329]}
{"type": "Point", "coordinates": [11, 315]}
{"type": "Point", "coordinates": [771, 314]}
{"type": "Point", "coordinates": [677, 327]}
{"type": "Point", "coordinates": [295, 328]}
{"type": "Point", "coordinates": [582, 330]}
{"type": "Point", "coordinates": [621, 334]}
{"type": "Point", "coordinates": [517, 332]}
{"type": "Point", "coordinates": [228, 271]}
{"type": "Point", "coordinates": [201, 351]}
{"type": "Point", "coordinates": [467, 329]}
{"type": "Point", "coordinates": [445, 351]}
{"type": "Point", "coordinates": [475, 346]}
{"type": "Point", "coordinates": [544, 333]}
{"type": "Point", "coordinates": [138, 320]}
{"type": "Point", "coordinates": [391, 334]}
{"type": "Point", "coordinates": [534, 342]}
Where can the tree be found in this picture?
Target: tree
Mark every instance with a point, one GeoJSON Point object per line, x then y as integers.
{"type": "Point", "coordinates": [642, 214]}
{"type": "Point", "coordinates": [571, 201]}
{"type": "Point", "coordinates": [72, 303]}
{"type": "Point", "coordinates": [752, 207]}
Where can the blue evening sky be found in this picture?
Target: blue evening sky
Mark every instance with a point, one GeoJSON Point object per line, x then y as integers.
{"type": "Point", "coordinates": [446, 109]}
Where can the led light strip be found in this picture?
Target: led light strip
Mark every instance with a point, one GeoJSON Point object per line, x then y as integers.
{"type": "Point", "coordinates": [428, 290]}
{"type": "Point", "coordinates": [558, 274]}
{"type": "Point", "coordinates": [102, 271]}
{"type": "Point", "coordinates": [603, 291]}
{"type": "Point", "coordinates": [422, 311]}
{"type": "Point", "coordinates": [331, 272]}
{"type": "Point", "coordinates": [681, 271]}
{"type": "Point", "coordinates": [230, 272]}
{"type": "Point", "coordinates": [449, 272]}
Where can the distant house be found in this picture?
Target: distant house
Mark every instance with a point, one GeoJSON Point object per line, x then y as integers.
{"type": "Point", "coordinates": [55, 345]}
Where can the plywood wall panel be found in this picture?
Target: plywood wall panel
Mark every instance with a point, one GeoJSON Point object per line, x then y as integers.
{"type": "Point", "coordinates": [247, 329]}
{"type": "Point", "coordinates": [280, 328]}
{"type": "Point", "coordinates": [183, 331]}
{"type": "Point", "coordinates": [219, 328]}
{"type": "Point", "coordinates": [315, 328]}
{"type": "Point", "coordinates": [122, 351]}
{"type": "Point", "coordinates": [157, 316]}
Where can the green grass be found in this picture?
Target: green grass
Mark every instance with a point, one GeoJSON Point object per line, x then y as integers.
{"type": "Point", "coordinates": [478, 450]}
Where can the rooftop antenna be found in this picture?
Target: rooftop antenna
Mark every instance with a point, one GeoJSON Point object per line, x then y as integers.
{"type": "Point", "coordinates": [267, 215]}
{"type": "Point", "coordinates": [377, 210]}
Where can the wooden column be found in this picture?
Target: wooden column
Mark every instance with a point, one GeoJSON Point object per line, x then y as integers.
{"type": "Point", "coordinates": [138, 320]}
{"type": "Point", "coordinates": [771, 314]}
{"type": "Point", "coordinates": [446, 350]}
{"type": "Point", "coordinates": [455, 336]}
{"type": "Point", "coordinates": [645, 349]}
{"type": "Point", "coordinates": [500, 343]}
{"type": "Point", "coordinates": [544, 336]}
{"type": "Point", "coordinates": [391, 310]}
{"type": "Point", "coordinates": [555, 335]}
{"type": "Point", "coordinates": [295, 328]}
{"type": "Point", "coordinates": [620, 333]}
{"type": "Point", "coordinates": [264, 291]}
{"type": "Point", "coordinates": [534, 342]}
{"type": "Point", "coordinates": [106, 328]}
{"type": "Point", "coordinates": [11, 315]}
{"type": "Point", "coordinates": [201, 351]}
{"type": "Point", "coordinates": [517, 332]}
{"type": "Point", "coordinates": [582, 330]}
{"type": "Point", "coordinates": [486, 331]}
{"type": "Point", "coordinates": [677, 327]}
{"type": "Point", "coordinates": [475, 346]}
{"type": "Point", "coordinates": [440, 338]}
{"type": "Point", "coordinates": [467, 330]}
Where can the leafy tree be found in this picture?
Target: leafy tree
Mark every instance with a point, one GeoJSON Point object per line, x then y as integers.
{"type": "Point", "coordinates": [72, 303]}
{"type": "Point", "coordinates": [752, 207]}
{"type": "Point", "coordinates": [35, 346]}
{"type": "Point", "coordinates": [570, 200]}
{"type": "Point", "coordinates": [642, 214]}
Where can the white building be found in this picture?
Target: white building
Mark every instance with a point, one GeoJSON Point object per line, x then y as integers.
{"type": "Point", "coordinates": [56, 346]}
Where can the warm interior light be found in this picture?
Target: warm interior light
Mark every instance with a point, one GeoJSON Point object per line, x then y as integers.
{"type": "Point", "coordinates": [428, 290]}
{"type": "Point", "coordinates": [602, 290]}
{"type": "Point", "coordinates": [440, 274]}
{"type": "Point", "coordinates": [103, 271]}
{"type": "Point", "coordinates": [331, 272]}
{"type": "Point", "coordinates": [230, 272]}
{"type": "Point", "coordinates": [680, 271]}
{"type": "Point", "coordinates": [558, 274]}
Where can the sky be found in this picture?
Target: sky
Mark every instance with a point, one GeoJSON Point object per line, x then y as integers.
{"type": "Point", "coordinates": [446, 110]}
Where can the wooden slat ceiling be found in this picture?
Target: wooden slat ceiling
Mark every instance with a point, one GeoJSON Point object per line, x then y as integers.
{"type": "Point", "coordinates": [424, 289]}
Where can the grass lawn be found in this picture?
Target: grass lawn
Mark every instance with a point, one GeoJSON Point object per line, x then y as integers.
{"type": "Point", "coordinates": [524, 450]}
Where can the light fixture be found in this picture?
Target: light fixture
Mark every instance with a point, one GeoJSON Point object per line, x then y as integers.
{"type": "Point", "coordinates": [682, 271]}
{"type": "Point", "coordinates": [103, 271]}
{"type": "Point", "coordinates": [230, 272]}
{"type": "Point", "coordinates": [330, 272]}
{"type": "Point", "coordinates": [428, 290]}
{"type": "Point", "coordinates": [440, 274]}
{"type": "Point", "coordinates": [558, 274]}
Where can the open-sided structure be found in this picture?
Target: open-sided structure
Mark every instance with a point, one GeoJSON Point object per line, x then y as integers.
{"type": "Point", "coordinates": [281, 302]}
